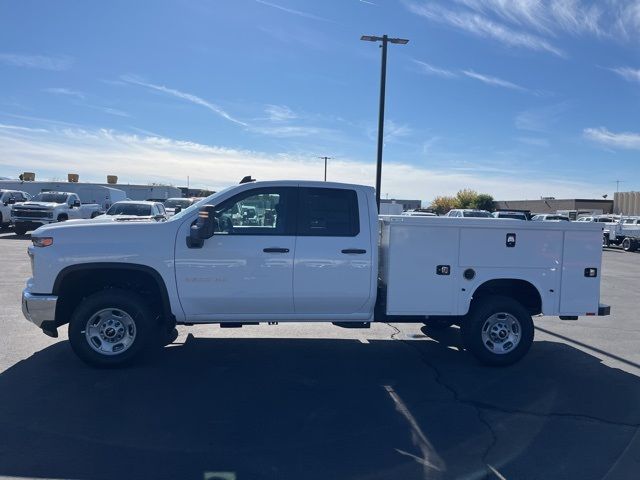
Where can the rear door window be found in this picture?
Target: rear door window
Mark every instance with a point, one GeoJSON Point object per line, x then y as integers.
{"type": "Point", "coordinates": [328, 212]}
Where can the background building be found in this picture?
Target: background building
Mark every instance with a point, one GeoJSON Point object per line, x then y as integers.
{"type": "Point", "coordinates": [552, 205]}
{"type": "Point", "coordinates": [626, 203]}
{"type": "Point", "coordinates": [406, 204]}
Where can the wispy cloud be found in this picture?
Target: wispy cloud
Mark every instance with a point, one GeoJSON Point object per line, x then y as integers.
{"type": "Point", "coordinates": [540, 119]}
{"type": "Point", "coordinates": [189, 97]}
{"type": "Point", "coordinates": [493, 81]}
{"type": "Point", "coordinates": [367, 2]}
{"type": "Point", "coordinates": [21, 128]}
{"type": "Point", "coordinates": [429, 69]}
{"type": "Point", "coordinates": [603, 136]}
{"type": "Point", "coordinates": [280, 113]}
{"type": "Point", "coordinates": [628, 73]}
{"type": "Point", "coordinates": [535, 24]}
{"type": "Point", "coordinates": [294, 12]}
{"type": "Point", "coordinates": [140, 158]}
{"type": "Point", "coordinates": [483, 26]}
{"type": "Point", "coordinates": [42, 62]}
{"type": "Point", "coordinates": [66, 91]}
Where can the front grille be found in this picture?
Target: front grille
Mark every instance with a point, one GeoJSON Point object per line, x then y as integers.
{"type": "Point", "coordinates": [31, 214]}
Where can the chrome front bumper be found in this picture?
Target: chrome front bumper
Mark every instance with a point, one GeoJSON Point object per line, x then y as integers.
{"type": "Point", "coordinates": [38, 308]}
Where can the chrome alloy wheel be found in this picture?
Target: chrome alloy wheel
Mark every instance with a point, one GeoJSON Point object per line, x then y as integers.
{"type": "Point", "coordinates": [110, 331]}
{"type": "Point", "coordinates": [501, 333]}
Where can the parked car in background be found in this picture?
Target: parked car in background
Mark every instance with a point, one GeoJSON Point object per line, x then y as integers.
{"type": "Point", "coordinates": [50, 207]}
{"type": "Point", "coordinates": [511, 215]}
{"type": "Point", "coordinates": [624, 233]}
{"type": "Point", "coordinates": [468, 213]}
{"type": "Point", "coordinates": [418, 213]}
{"type": "Point", "coordinates": [549, 217]}
{"type": "Point", "coordinates": [175, 205]}
{"type": "Point", "coordinates": [599, 219]}
{"type": "Point", "coordinates": [134, 210]}
{"type": "Point", "coordinates": [8, 198]}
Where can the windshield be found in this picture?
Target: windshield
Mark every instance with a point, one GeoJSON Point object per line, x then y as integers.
{"type": "Point", "coordinates": [177, 202]}
{"type": "Point", "coordinates": [477, 214]}
{"type": "Point", "coordinates": [136, 209]}
{"type": "Point", "coordinates": [515, 216]}
{"type": "Point", "coordinates": [50, 197]}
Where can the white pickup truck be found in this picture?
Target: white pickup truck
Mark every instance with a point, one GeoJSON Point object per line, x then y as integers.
{"type": "Point", "coordinates": [314, 252]}
{"type": "Point", "coordinates": [50, 207]}
{"type": "Point", "coordinates": [8, 198]}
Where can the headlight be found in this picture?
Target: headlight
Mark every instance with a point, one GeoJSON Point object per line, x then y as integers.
{"type": "Point", "coordinates": [42, 241]}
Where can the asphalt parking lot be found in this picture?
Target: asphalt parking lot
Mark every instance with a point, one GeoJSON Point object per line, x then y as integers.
{"type": "Point", "coordinates": [317, 401]}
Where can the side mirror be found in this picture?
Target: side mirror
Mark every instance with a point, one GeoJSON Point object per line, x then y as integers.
{"type": "Point", "coordinates": [159, 218]}
{"type": "Point", "coordinates": [178, 209]}
{"type": "Point", "coordinates": [205, 227]}
{"type": "Point", "coordinates": [76, 204]}
{"type": "Point", "coordinates": [11, 201]}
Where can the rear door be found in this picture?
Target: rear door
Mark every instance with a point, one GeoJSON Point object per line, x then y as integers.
{"type": "Point", "coordinates": [333, 260]}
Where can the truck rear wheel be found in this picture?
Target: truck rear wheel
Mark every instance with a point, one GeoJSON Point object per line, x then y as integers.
{"type": "Point", "coordinates": [629, 245]}
{"type": "Point", "coordinates": [112, 327]}
{"type": "Point", "coordinates": [498, 331]}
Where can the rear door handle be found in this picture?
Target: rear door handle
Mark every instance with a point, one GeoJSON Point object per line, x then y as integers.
{"type": "Point", "coordinates": [357, 251]}
{"type": "Point", "coordinates": [275, 250]}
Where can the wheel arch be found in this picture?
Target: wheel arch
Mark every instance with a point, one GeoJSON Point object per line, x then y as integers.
{"type": "Point", "coordinates": [78, 281]}
{"type": "Point", "coordinates": [523, 291]}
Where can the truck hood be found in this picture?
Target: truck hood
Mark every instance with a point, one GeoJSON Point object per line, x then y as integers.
{"type": "Point", "coordinates": [48, 205]}
{"type": "Point", "coordinates": [95, 228]}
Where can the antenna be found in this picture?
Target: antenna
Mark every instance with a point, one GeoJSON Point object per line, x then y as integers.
{"type": "Point", "coordinates": [247, 179]}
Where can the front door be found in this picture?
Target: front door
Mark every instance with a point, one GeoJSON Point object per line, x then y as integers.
{"type": "Point", "coordinates": [247, 266]}
{"type": "Point", "coordinates": [332, 273]}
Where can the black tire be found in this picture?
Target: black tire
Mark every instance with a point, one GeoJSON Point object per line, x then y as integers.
{"type": "Point", "coordinates": [487, 310]}
{"type": "Point", "coordinates": [439, 323]}
{"type": "Point", "coordinates": [63, 217]}
{"type": "Point", "coordinates": [634, 245]}
{"type": "Point", "coordinates": [145, 330]}
{"type": "Point", "coordinates": [628, 244]}
{"type": "Point", "coordinates": [19, 230]}
{"type": "Point", "coordinates": [606, 242]}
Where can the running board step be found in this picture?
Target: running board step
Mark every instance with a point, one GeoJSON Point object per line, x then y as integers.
{"type": "Point", "coordinates": [352, 324]}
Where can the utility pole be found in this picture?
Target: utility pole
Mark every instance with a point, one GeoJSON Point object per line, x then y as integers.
{"type": "Point", "coordinates": [618, 182]}
{"type": "Point", "coordinates": [383, 81]}
{"type": "Point", "coordinates": [325, 166]}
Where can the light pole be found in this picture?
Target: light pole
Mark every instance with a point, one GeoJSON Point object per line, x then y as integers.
{"type": "Point", "coordinates": [325, 166]}
{"type": "Point", "coordinates": [383, 80]}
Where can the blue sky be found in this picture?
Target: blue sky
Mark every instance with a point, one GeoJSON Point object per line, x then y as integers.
{"type": "Point", "coordinates": [518, 98]}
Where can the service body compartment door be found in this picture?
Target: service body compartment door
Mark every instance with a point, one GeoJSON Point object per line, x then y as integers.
{"type": "Point", "coordinates": [580, 294]}
{"type": "Point", "coordinates": [422, 270]}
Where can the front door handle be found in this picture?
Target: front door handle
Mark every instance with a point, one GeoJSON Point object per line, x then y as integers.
{"type": "Point", "coordinates": [275, 250]}
{"type": "Point", "coordinates": [357, 251]}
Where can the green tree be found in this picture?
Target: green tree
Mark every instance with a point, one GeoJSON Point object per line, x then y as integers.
{"type": "Point", "coordinates": [442, 205]}
{"type": "Point", "coordinates": [466, 198]}
{"type": "Point", "coordinates": [484, 201]}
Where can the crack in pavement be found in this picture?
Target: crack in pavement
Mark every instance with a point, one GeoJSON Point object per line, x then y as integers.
{"type": "Point", "coordinates": [396, 332]}
{"type": "Point", "coordinates": [456, 398]}
{"type": "Point", "coordinates": [481, 407]}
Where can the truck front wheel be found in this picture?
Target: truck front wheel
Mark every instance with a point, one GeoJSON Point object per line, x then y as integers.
{"type": "Point", "coordinates": [19, 229]}
{"type": "Point", "coordinates": [498, 331]}
{"type": "Point", "coordinates": [112, 327]}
